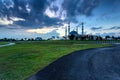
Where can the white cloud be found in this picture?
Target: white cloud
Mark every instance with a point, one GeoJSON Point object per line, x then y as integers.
{"type": "Point", "coordinates": [5, 21]}
{"type": "Point", "coordinates": [28, 8]}
{"type": "Point", "coordinates": [50, 13]}
{"type": "Point", "coordinates": [60, 30]}
{"type": "Point", "coordinates": [59, 13]}
{"type": "Point", "coordinates": [41, 31]}
{"type": "Point", "coordinates": [17, 19]}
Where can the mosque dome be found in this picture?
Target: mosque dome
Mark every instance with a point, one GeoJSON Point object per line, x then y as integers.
{"type": "Point", "coordinates": [74, 33]}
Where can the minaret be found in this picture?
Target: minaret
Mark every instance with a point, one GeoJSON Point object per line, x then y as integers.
{"type": "Point", "coordinates": [77, 29]}
{"type": "Point", "coordinates": [82, 28]}
{"type": "Point", "coordinates": [66, 32]}
{"type": "Point", "coordinates": [68, 28]}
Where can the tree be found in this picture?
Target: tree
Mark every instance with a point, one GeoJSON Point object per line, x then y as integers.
{"type": "Point", "coordinates": [57, 37]}
{"type": "Point", "coordinates": [22, 39]}
{"type": "Point", "coordinates": [106, 37]}
{"type": "Point", "coordinates": [25, 39]}
{"type": "Point", "coordinates": [113, 37]}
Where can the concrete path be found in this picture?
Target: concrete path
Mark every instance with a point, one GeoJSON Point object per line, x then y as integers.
{"type": "Point", "coordinates": [9, 44]}
{"type": "Point", "coordinates": [92, 64]}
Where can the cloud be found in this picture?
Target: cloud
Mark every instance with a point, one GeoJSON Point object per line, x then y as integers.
{"type": "Point", "coordinates": [79, 7]}
{"type": "Point", "coordinates": [5, 22]}
{"type": "Point", "coordinates": [106, 34]}
{"type": "Point", "coordinates": [41, 31]}
{"type": "Point", "coordinates": [96, 28]}
{"type": "Point", "coordinates": [113, 28]}
{"type": "Point", "coordinates": [100, 28]}
{"type": "Point", "coordinates": [49, 34]}
{"type": "Point", "coordinates": [32, 13]}
{"type": "Point", "coordinates": [11, 26]}
{"type": "Point", "coordinates": [53, 33]}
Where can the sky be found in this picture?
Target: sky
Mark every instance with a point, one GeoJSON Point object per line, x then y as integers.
{"type": "Point", "coordinates": [46, 18]}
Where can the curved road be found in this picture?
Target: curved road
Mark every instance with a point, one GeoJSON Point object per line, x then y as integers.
{"type": "Point", "coordinates": [9, 44]}
{"type": "Point", "coordinates": [92, 64]}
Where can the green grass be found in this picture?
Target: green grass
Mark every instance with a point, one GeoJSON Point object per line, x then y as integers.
{"type": "Point", "coordinates": [2, 43]}
{"type": "Point", "coordinates": [22, 60]}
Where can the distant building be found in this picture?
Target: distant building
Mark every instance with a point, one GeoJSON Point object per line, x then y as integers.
{"type": "Point", "coordinates": [109, 38]}
{"type": "Point", "coordinates": [38, 39]}
{"type": "Point", "coordinates": [118, 38]}
{"type": "Point", "coordinates": [73, 35]}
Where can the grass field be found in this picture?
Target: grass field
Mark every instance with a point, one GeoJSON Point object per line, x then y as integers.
{"type": "Point", "coordinates": [22, 60]}
{"type": "Point", "coordinates": [2, 43]}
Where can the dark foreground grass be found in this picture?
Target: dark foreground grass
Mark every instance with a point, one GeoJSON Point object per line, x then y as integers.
{"type": "Point", "coordinates": [22, 60]}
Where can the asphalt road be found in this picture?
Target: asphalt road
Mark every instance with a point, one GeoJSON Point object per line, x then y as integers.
{"type": "Point", "coordinates": [9, 44]}
{"type": "Point", "coordinates": [92, 64]}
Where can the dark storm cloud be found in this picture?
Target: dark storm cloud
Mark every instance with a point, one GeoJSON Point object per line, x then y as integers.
{"type": "Point", "coordinates": [43, 21]}
{"type": "Point", "coordinates": [77, 7]}
{"type": "Point", "coordinates": [33, 11]}
{"type": "Point", "coordinates": [10, 26]}
{"type": "Point", "coordinates": [19, 8]}
{"type": "Point", "coordinates": [96, 28]}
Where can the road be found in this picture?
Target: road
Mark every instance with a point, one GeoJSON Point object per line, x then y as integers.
{"type": "Point", "coordinates": [9, 44]}
{"type": "Point", "coordinates": [91, 64]}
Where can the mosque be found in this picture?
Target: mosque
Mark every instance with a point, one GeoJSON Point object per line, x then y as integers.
{"type": "Point", "coordinates": [73, 35]}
